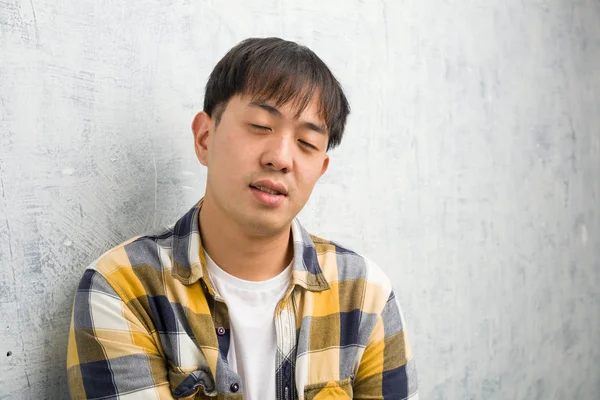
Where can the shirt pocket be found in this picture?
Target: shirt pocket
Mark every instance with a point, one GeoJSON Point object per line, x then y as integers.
{"type": "Point", "coordinates": [329, 390]}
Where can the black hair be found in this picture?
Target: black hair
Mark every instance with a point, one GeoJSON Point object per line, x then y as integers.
{"type": "Point", "coordinates": [273, 69]}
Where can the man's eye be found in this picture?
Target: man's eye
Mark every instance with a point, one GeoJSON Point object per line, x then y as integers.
{"type": "Point", "coordinates": [260, 127]}
{"type": "Point", "coordinates": [307, 145]}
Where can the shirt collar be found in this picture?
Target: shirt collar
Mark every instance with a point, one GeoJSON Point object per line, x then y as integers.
{"type": "Point", "coordinates": [189, 265]}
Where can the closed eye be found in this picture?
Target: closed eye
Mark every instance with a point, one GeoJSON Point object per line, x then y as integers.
{"type": "Point", "coordinates": [307, 145]}
{"type": "Point", "coordinates": [260, 127]}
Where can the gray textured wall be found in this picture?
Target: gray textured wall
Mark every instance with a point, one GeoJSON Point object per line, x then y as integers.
{"type": "Point", "coordinates": [470, 169]}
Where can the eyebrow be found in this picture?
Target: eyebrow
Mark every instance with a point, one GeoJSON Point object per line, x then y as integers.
{"type": "Point", "coordinates": [276, 113]}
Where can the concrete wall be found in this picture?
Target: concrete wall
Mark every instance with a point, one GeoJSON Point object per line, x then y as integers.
{"type": "Point", "coordinates": [470, 169]}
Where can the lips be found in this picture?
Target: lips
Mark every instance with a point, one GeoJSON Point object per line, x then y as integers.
{"type": "Point", "coordinates": [269, 193]}
{"type": "Point", "coordinates": [270, 187]}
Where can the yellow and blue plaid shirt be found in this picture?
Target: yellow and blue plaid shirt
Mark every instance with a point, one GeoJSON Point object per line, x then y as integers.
{"type": "Point", "coordinates": [147, 324]}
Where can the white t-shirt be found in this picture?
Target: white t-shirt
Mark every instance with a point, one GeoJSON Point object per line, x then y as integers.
{"type": "Point", "coordinates": [253, 341]}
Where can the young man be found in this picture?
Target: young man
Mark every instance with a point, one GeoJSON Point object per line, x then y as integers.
{"type": "Point", "coordinates": [236, 300]}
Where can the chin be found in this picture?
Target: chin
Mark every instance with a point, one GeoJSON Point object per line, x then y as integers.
{"type": "Point", "coordinates": [267, 225]}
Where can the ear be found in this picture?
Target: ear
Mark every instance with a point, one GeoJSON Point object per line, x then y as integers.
{"type": "Point", "coordinates": [325, 165]}
{"type": "Point", "coordinates": [201, 128]}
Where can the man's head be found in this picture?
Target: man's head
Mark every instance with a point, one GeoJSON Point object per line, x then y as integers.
{"type": "Point", "coordinates": [272, 109]}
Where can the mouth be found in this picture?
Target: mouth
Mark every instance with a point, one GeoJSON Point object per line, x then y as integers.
{"type": "Point", "coordinates": [269, 193]}
{"type": "Point", "coordinates": [270, 187]}
{"type": "Point", "coordinates": [266, 190]}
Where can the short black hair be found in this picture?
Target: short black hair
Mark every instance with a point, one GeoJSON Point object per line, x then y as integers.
{"type": "Point", "coordinates": [273, 69]}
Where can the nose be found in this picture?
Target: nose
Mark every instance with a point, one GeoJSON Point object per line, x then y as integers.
{"type": "Point", "coordinates": [278, 154]}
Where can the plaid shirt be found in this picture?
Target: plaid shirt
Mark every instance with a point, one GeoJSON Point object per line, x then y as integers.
{"type": "Point", "coordinates": [147, 324]}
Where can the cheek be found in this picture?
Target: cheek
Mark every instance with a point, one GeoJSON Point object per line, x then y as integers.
{"type": "Point", "coordinates": [308, 178]}
{"type": "Point", "coordinates": [233, 156]}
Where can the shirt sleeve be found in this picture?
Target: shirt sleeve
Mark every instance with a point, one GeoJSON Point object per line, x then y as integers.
{"type": "Point", "coordinates": [387, 369]}
{"type": "Point", "coordinates": [110, 352]}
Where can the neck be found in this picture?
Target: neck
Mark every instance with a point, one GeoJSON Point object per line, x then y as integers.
{"type": "Point", "coordinates": [241, 253]}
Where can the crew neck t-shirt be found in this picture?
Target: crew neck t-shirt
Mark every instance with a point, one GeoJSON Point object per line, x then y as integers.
{"type": "Point", "coordinates": [253, 340]}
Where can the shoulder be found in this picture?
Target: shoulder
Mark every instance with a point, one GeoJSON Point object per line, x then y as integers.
{"type": "Point", "coordinates": [346, 268]}
{"type": "Point", "coordinates": [137, 259]}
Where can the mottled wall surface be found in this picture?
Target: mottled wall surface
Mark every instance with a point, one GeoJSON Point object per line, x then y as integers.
{"type": "Point", "coordinates": [470, 169]}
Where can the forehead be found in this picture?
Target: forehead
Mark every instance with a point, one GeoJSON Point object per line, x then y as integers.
{"type": "Point", "coordinates": [309, 109]}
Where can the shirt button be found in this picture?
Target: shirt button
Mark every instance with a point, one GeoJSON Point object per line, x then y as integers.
{"type": "Point", "coordinates": [234, 387]}
{"type": "Point", "coordinates": [220, 331]}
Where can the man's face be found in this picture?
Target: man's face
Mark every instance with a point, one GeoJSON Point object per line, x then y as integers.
{"type": "Point", "coordinates": [262, 162]}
